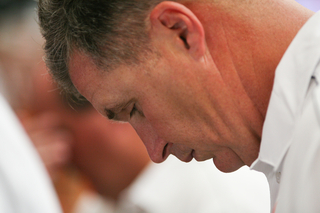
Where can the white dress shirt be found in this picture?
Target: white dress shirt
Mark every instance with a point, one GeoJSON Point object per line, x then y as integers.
{"type": "Point", "coordinates": [25, 186]}
{"type": "Point", "coordinates": [290, 148]}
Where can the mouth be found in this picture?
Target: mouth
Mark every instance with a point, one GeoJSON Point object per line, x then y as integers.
{"type": "Point", "coordinates": [188, 158]}
{"type": "Point", "coordinates": [198, 157]}
{"type": "Point", "coordinates": [166, 153]}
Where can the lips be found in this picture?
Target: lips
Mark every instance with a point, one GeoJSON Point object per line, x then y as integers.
{"type": "Point", "coordinates": [189, 157]}
{"type": "Point", "coordinates": [181, 154]}
{"type": "Point", "coordinates": [200, 157]}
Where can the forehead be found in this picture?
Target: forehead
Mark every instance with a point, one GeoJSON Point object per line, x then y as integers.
{"type": "Point", "coordinates": [83, 71]}
{"type": "Point", "coordinates": [102, 88]}
{"type": "Point", "coordinates": [90, 81]}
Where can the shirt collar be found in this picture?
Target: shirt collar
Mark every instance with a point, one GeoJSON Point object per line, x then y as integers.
{"type": "Point", "coordinates": [291, 83]}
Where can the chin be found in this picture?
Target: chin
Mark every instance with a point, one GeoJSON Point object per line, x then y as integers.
{"type": "Point", "coordinates": [227, 166]}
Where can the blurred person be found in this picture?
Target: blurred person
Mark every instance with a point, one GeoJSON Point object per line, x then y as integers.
{"type": "Point", "coordinates": [25, 186]}
{"type": "Point", "coordinates": [20, 56]}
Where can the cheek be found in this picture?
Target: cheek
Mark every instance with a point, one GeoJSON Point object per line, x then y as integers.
{"type": "Point", "coordinates": [168, 117]}
{"type": "Point", "coordinates": [155, 122]}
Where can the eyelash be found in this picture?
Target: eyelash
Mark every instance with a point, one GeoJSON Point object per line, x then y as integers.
{"type": "Point", "coordinates": [110, 114]}
{"type": "Point", "coordinates": [134, 109]}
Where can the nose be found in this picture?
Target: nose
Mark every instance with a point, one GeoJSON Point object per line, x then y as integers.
{"type": "Point", "coordinates": [158, 149]}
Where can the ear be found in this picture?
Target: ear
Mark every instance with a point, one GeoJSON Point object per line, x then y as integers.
{"type": "Point", "coordinates": [175, 21]}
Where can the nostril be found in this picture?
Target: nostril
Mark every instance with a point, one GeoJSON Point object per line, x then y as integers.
{"type": "Point", "coordinates": [164, 151]}
{"type": "Point", "coordinates": [159, 151]}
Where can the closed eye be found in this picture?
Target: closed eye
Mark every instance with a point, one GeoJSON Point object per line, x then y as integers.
{"type": "Point", "coordinates": [111, 115]}
{"type": "Point", "coordinates": [133, 110]}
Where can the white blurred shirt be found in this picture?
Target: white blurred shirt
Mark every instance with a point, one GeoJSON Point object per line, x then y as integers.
{"type": "Point", "coordinates": [290, 148]}
{"type": "Point", "coordinates": [25, 186]}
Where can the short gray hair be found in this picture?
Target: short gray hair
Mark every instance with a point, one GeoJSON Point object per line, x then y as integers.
{"type": "Point", "coordinates": [111, 32]}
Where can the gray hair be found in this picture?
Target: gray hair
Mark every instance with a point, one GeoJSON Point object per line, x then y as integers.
{"type": "Point", "coordinates": [111, 32]}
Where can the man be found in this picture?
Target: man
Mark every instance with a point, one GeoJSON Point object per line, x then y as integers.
{"type": "Point", "coordinates": [111, 155]}
{"type": "Point", "coordinates": [194, 78]}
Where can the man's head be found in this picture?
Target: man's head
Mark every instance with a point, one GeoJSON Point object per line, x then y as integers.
{"type": "Point", "coordinates": [111, 32]}
{"type": "Point", "coordinates": [193, 78]}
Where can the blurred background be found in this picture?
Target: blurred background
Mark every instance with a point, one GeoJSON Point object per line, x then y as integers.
{"type": "Point", "coordinates": [97, 166]}
{"type": "Point", "coordinates": [313, 5]}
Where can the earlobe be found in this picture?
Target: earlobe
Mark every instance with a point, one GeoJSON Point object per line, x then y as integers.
{"type": "Point", "coordinates": [178, 21]}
